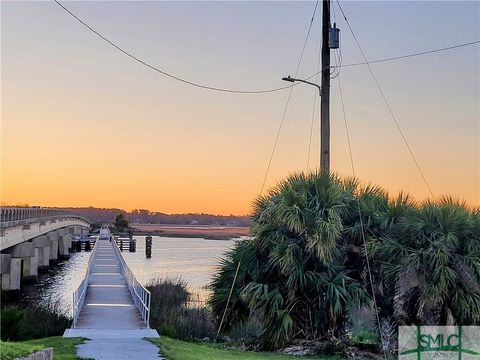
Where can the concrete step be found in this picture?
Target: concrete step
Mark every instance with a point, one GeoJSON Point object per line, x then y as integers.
{"type": "Point", "coordinates": [111, 334]}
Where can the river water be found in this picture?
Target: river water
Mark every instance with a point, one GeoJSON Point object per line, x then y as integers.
{"type": "Point", "coordinates": [192, 259]}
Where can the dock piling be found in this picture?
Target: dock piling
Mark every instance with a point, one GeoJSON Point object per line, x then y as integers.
{"type": "Point", "coordinates": [148, 247]}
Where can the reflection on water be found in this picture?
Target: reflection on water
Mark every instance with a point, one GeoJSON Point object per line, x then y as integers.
{"type": "Point", "coordinates": [57, 285]}
{"type": "Point", "coordinates": [192, 259]}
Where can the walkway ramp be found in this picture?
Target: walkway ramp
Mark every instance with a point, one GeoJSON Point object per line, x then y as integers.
{"type": "Point", "coordinates": [110, 302]}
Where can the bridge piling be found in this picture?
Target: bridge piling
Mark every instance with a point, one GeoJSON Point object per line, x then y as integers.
{"type": "Point", "coordinates": [15, 273]}
{"type": "Point", "coordinates": [25, 252]}
{"type": "Point", "coordinates": [30, 265]}
{"type": "Point", "coordinates": [53, 238]}
{"type": "Point", "coordinates": [42, 243]}
{"type": "Point", "coordinates": [5, 260]}
{"type": "Point", "coordinates": [64, 245]}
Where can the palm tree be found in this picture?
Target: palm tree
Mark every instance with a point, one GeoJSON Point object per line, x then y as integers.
{"type": "Point", "coordinates": [306, 264]}
{"type": "Point", "coordinates": [431, 259]}
{"type": "Point", "coordinates": [294, 272]}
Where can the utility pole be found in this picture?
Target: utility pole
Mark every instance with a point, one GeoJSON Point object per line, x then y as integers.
{"type": "Point", "coordinates": [325, 97]}
{"type": "Point", "coordinates": [330, 40]}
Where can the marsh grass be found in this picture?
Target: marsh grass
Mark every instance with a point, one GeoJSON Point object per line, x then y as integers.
{"type": "Point", "coordinates": [175, 312]}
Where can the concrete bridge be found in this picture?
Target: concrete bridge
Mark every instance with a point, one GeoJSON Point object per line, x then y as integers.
{"type": "Point", "coordinates": [35, 238]}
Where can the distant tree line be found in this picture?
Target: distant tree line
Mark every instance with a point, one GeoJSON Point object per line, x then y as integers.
{"type": "Point", "coordinates": [141, 216]}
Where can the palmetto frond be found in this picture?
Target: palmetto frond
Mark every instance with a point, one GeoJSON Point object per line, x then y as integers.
{"type": "Point", "coordinates": [434, 250]}
{"type": "Point", "coordinates": [305, 266]}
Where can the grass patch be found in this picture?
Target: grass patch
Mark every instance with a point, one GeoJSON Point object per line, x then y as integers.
{"type": "Point", "coordinates": [63, 349]}
{"type": "Point", "coordinates": [365, 337]}
{"type": "Point", "coordinates": [180, 350]}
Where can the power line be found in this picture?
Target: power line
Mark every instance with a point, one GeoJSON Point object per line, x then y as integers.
{"type": "Point", "coordinates": [207, 87]}
{"type": "Point", "coordinates": [315, 96]}
{"type": "Point", "coordinates": [346, 126]}
{"type": "Point", "coordinates": [270, 159]}
{"type": "Point", "coordinates": [262, 91]}
{"type": "Point", "coordinates": [361, 221]}
{"type": "Point", "coordinates": [336, 68]}
{"type": "Point", "coordinates": [414, 54]}
{"type": "Point", "coordinates": [399, 57]}
{"type": "Point", "coordinates": [386, 101]}
{"type": "Point", "coordinates": [288, 99]}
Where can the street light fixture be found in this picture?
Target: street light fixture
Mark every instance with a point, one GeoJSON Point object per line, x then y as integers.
{"type": "Point", "coordinates": [292, 80]}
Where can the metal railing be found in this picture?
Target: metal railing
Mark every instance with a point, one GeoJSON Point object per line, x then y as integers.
{"type": "Point", "coordinates": [16, 214]}
{"type": "Point", "coordinates": [79, 293]}
{"type": "Point", "coordinates": [141, 296]}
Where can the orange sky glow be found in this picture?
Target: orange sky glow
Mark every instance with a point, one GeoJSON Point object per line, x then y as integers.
{"type": "Point", "coordinates": [84, 126]}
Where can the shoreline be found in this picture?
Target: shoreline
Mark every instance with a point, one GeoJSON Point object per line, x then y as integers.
{"type": "Point", "coordinates": [208, 232]}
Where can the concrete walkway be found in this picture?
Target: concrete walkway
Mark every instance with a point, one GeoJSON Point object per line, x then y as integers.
{"type": "Point", "coordinates": [109, 317]}
{"type": "Point", "coordinates": [118, 349]}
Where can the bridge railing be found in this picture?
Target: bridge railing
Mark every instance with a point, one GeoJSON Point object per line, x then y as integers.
{"type": "Point", "coordinates": [13, 214]}
{"type": "Point", "coordinates": [141, 296]}
{"type": "Point", "coordinates": [79, 293]}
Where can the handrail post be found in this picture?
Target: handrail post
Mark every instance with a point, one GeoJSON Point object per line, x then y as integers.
{"type": "Point", "coordinates": [79, 293]}
{"type": "Point", "coordinates": [138, 292]}
{"type": "Point", "coordinates": [74, 310]}
{"type": "Point", "coordinates": [148, 310]}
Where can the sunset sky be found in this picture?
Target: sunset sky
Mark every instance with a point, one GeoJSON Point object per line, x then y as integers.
{"type": "Point", "coordinates": [84, 125]}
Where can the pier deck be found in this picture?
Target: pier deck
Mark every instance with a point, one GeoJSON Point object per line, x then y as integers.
{"type": "Point", "coordinates": [109, 301]}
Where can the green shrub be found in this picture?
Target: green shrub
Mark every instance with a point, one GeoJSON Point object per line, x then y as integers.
{"type": "Point", "coordinates": [168, 296]}
{"type": "Point", "coordinates": [171, 315]}
{"type": "Point", "coordinates": [31, 323]}
{"type": "Point", "coordinates": [365, 337]}
{"type": "Point", "coordinates": [194, 323]}
{"type": "Point", "coordinates": [247, 332]}
{"type": "Point", "coordinates": [10, 320]}
{"type": "Point", "coordinates": [362, 326]}
{"type": "Point", "coordinates": [167, 330]}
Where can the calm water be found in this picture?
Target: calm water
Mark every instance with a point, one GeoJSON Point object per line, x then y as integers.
{"type": "Point", "coordinates": [194, 260]}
